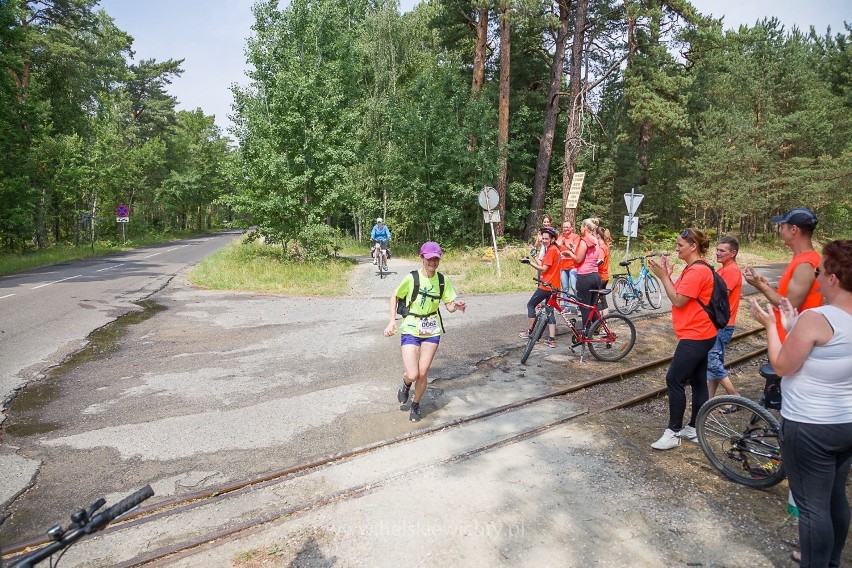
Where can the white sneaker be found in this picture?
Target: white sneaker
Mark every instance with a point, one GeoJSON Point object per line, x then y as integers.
{"type": "Point", "coordinates": [688, 433]}
{"type": "Point", "coordinates": [667, 441]}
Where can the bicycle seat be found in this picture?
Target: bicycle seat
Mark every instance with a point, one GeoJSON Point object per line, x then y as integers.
{"type": "Point", "coordinates": [625, 263]}
{"type": "Point", "coordinates": [602, 292]}
{"type": "Point", "coordinates": [767, 372]}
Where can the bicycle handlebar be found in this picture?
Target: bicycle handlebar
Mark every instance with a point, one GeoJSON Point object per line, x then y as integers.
{"type": "Point", "coordinates": [628, 261]}
{"type": "Point", "coordinates": [84, 524]}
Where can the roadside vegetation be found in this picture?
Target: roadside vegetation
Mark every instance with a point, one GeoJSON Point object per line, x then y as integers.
{"type": "Point", "coordinates": [252, 266]}
{"type": "Point", "coordinates": [15, 261]}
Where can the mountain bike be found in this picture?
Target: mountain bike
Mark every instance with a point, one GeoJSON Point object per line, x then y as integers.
{"type": "Point", "coordinates": [380, 258]}
{"type": "Point", "coordinates": [627, 291]}
{"type": "Point", "coordinates": [83, 522]}
{"type": "Point", "coordinates": [740, 437]}
{"type": "Point", "coordinates": [609, 337]}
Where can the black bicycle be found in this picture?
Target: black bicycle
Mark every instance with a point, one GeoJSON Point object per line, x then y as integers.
{"type": "Point", "coordinates": [741, 437]}
{"type": "Point", "coordinates": [84, 522]}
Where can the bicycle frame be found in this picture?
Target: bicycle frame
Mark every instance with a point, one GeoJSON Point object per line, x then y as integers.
{"type": "Point", "coordinates": [557, 301]}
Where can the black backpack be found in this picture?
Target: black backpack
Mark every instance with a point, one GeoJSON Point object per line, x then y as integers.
{"type": "Point", "coordinates": [402, 306]}
{"type": "Point", "coordinates": [718, 308]}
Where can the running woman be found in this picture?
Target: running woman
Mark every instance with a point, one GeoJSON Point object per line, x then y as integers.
{"type": "Point", "coordinates": [421, 329]}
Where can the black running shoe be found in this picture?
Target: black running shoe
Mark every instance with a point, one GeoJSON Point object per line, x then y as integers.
{"type": "Point", "coordinates": [402, 393]}
{"type": "Point", "coordinates": [414, 415]}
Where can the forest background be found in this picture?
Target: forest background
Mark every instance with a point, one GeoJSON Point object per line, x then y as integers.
{"type": "Point", "coordinates": [355, 110]}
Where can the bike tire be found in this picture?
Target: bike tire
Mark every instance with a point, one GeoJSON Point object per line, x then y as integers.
{"type": "Point", "coordinates": [654, 291]}
{"type": "Point", "coordinates": [744, 445]}
{"type": "Point", "coordinates": [538, 330]}
{"type": "Point", "coordinates": [623, 297]}
{"type": "Point", "coordinates": [384, 265]}
{"type": "Point", "coordinates": [620, 335]}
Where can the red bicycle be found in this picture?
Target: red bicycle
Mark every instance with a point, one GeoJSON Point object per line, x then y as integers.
{"type": "Point", "coordinates": [609, 337]}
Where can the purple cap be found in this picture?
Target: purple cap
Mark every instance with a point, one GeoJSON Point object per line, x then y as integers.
{"type": "Point", "coordinates": [431, 250]}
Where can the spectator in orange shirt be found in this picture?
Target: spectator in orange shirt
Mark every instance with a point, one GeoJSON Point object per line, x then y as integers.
{"type": "Point", "coordinates": [798, 283]}
{"type": "Point", "coordinates": [726, 254]}
{"type": "Point", "coordinates": [695, 333]}
{"type": "Point", "coordinates": [568, 240]}
{"type": "Point", "coordinates": [548, 268]}
{"type": "Point", "coordinates": [604, 242]}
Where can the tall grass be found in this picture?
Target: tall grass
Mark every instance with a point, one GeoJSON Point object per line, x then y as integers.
{"type": "Point", "coordinates": [258, 267]}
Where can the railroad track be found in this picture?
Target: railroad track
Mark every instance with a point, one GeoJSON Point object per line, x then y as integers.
{"type": "Point", "coordinates": [241, 508]}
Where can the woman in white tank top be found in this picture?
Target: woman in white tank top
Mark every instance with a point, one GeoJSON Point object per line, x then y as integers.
{"type": "Point", "coordinates": [816, 363]}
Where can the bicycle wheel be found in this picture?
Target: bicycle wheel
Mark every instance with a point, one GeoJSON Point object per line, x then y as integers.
{"type": "Point", "coordinates": [384, 268]}
{"type": "Point", "coordinates": [744, 444]}
{"type": "Point", "coordinates": [654, 291]}
{"type": "Point", "coordinates": [612, 338]}
{"type": "Point", "coordinates": [623, 296]}
{"type": "Point", "coordinates": [538, 330]}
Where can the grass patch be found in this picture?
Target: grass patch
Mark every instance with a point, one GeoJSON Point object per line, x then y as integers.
{"type": "Point", "coordinates": [258, 267]}
{"type": "Point", "coordinates": [14, 262]}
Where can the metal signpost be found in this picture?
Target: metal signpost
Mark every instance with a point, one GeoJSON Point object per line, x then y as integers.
{"type": "Point", "coordinates": [122, 215]}
{"type": "Point", "coordinates": [489, 200]}
{"type": "Point", "coordinates": [631, 221]}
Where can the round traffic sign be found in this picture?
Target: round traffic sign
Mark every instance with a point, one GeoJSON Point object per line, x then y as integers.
{"type": "Point", "coordinates": [122, 211]}
{"type": "Point", "coordinates": [488, 198]}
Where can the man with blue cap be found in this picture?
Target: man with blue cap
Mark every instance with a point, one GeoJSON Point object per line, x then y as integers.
{"type": "Point", "coordinates": [798, 282]}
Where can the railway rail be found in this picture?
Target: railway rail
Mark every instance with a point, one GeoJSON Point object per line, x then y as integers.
{"type": "Point", "coordinates": [643, 380]}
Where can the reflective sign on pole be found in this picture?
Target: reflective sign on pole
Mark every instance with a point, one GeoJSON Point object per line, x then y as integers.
{"type": "Point", "coordinates": [632, 200]}
{"type": "Point", "coordinates": [631, 226]}
{"type": "Point", "coordinates": [488, 198]}
{"type": "Point", "coordinates": [491, 216]}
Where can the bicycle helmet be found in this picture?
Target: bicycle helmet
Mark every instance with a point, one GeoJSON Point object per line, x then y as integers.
{"type": "Point", "coordinates": [550, 231]}
{"type": "Point", "coordinates": [379, 220]}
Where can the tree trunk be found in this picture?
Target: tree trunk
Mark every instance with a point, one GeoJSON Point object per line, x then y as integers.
{"type": "Point", "coordinates": [545, 146]}
{"type": "Point", "coordinates": [503, 114]}
{"type": "Point", "coordinates": [479, 53]}
{"type": "Point", "coordinates": [575, 106]}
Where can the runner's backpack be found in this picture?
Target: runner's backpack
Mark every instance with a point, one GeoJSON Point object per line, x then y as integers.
{"type": "Point", "coordinates": [718, 308]}
{"type": "Point", "coordinates": [402, 306]}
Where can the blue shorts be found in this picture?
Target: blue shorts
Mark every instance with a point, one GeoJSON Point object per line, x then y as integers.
{"type": "Point", "coordinates": [408, 339]}
{"type": "Point", "coordinates": [716, 358]}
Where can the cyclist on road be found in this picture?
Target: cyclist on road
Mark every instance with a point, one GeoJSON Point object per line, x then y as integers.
{"type": "Point", "coordinates": [380, 234]}
{"type": "Point", "coordinates": [421, 329]}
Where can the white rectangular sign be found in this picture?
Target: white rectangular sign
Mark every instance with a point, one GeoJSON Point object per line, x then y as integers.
{"type": "Point", "coordinates": [491, 216]}
{"type": "Point", "coordinates": [631, 226]}
{"type": "Point", "coordinates": [574, 193]}
{"type": "Point", "coordinates": [122, 219]}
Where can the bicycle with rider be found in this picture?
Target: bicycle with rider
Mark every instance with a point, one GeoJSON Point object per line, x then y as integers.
{"type": "Point", "coordinates": [380, 234]}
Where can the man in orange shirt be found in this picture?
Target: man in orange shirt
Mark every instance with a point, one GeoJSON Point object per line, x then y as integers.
{"type": "Point", "coordinates": [726, 254]}
{"type": "Point", "coordinates": [568, 270]}
{"type": "Point", "coordinates": [798, 283]}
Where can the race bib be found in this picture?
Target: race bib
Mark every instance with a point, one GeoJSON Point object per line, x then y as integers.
{"type": "Point", "coordinates": [427, 326]}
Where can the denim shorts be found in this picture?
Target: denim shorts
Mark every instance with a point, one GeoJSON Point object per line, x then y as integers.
{"type": "Point", "coordinates": [716, 358]}
{"type": "Point", "coordinates": [408, 339]}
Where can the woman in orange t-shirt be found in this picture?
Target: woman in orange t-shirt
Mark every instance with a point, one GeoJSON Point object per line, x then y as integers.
{"type": "Point", "coordinates": [695, 332]}
{"type": "Point", "coordinates": [604, 244]}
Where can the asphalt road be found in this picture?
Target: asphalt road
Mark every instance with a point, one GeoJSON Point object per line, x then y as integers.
{"type": "Point", "coordinates": [47, 314]}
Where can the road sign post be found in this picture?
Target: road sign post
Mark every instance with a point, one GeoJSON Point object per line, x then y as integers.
{"type": "Point", "coordinates": [631, 221]}
{"type": "Point", "coordinates": [489, 199]}
{"type": "Point", "coordinates": [122, 215]}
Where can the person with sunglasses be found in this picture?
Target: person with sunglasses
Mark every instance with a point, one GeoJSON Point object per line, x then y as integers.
{"type": "Point", "coordinates": [797, 283]}
{"type": "Point", "coordinates": [815, 360]}
{"type": "Point", "coordinates": [695, 332]}
{"type": "Point", "coordinates": [586, 256]}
